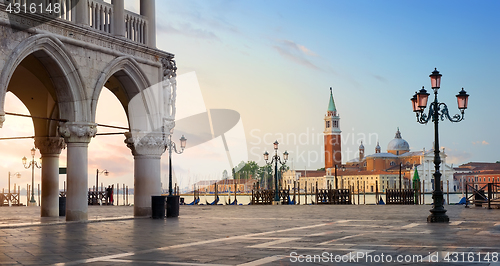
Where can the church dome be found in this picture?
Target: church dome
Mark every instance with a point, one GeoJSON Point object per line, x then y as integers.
{"type": "Point", "coordinates": [398, 144]}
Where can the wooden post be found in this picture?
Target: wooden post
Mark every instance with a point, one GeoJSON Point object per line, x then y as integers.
{"type": "Point", "coordinates": [448, 192]}
{"type": "Point", "coordinates": [376, 192]}
{"type": "Point", "coordinates": [294, 192]}
{"type": "Point", "coordinates": [316, 192]}
{"type": "Point", "coordinates": [305, 189]}
{"type": "Point", "coordinates": [39, 202]}
{"type": "Point", "coordinates": [28, 195]}
{"type": "Point", "coordinates": [364, 192]}
{"type": "Point", "coordinates": [298, 185]}
{"type": "Point", "coordinates": [358, 192]}
{"type": "Point", "coordinates": [423, 192]}
{"type": "Point", "coordinates": [466, 195]}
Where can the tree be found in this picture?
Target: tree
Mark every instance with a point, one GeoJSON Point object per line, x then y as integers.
{"type": "Point", "coordinates": [265, 175]}
{"type": "Point", "coordinates": [246, 170]}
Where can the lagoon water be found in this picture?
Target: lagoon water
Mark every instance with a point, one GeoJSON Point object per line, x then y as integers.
{"type": "Point", "coordinates": [368, 199]}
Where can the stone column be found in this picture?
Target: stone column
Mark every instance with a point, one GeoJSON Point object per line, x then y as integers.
{"type": "Point", "coordinates": [50, 148]}
{"type": "Point", "coordinates": [82, 13]}
{"type": "Point", "coordinates": [148, 10]}
{"type": "Point", "coordinates": [147, 151]}
{"type": "Point", "coordinates": [118, 18]}
{"type": "Point", "coordinates": [77, 136]}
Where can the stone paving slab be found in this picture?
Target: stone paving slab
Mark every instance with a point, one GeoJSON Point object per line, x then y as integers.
{"type": "Point", "coordinates": [253, 235]}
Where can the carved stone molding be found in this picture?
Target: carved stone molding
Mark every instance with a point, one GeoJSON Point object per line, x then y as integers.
{"type": "Point", "coordinates": [152, 144]}
{"type": "Point", "coordinates": [50, 145]}
{"type": "Point", "coordinates": [169, 85]}
{"type": "Point", "coordinates": [77, 132]}
{"type": "Point", "coordinates": [2, 119]}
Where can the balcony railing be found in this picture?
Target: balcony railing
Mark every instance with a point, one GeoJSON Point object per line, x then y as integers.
{"type": "Point", "coordinates": [135, 27]}
{"type": "Point", "coordinates": [101, 16]}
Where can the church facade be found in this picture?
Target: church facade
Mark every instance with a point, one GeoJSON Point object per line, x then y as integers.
{"type": "Point", "coordinates": [366, 172]}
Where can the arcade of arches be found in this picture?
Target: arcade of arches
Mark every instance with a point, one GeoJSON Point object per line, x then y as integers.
{"type": "Point", "coordinates": [58, 69]}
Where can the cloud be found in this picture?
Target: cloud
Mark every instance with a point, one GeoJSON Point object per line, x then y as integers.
{"type": "Point", "coordinates": [457, 157]}
{"type": "Point", "coordinates": [296, 53]}
{"type": "Point", "coordinates": [380, 78]}
{"type": "Point", "coordinates": [298, 47]}
{"type": "Point", "coordinates": [186, 29]}
{"type": "Point", "coordinates": [484, 142]}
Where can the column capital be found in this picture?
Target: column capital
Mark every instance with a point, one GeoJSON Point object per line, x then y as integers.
{"type": "Point", "coordinates": [151, 144]}
{"type": "Point", "coordinates": [77, 132]}
{"type": "Point", "coordinates": [50, 145]}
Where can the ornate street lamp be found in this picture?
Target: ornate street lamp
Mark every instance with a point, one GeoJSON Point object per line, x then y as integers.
{"type": "Point", "coordinates": [105, 172]}
{"type": "Point", "coordinates": [172, 200]}
{"type": "Point", "coordinates": [437, 111]}
{"type": "Point", "coordinates": [171, 147]}
{"type": "Point", "coordinates": [276, 159]}
{"type": "Point", "coordinates": [33, 164]}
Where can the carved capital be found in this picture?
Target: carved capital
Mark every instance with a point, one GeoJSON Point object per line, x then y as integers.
{"type": "Point", "coordinates": [152, 144]}
{"type": "Point", "coordinates": [50, 145]}
{"type": "Point", "coordinates": [2, 119]}
{"type": "Point", "coordinates": [77, 132]}
{"type": "Point", "coordinates": [169, 68]}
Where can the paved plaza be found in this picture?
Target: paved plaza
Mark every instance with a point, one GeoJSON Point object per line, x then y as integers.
{"type": "Point", "coordinates": [253, 235]}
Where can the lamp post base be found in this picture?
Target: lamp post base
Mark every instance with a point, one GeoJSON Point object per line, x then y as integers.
{"type": "Point", "coordinates": [276, 202]}
{"type": "Point", "coordinates": [32, 203]}
{"type": "Point", "coordinates": [438, 217]}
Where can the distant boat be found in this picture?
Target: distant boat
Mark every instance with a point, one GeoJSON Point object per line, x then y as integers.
{"type": "Point", "coordinates": [381, 201]}
{"type": "Point", "coordinates": [235, 202]}
{"type": "Point", "coordinates": [214, 202]}
{"type": "Point", "coordinates": [462, 201]}
{"type": "Point", "coordinates": [195, 202]}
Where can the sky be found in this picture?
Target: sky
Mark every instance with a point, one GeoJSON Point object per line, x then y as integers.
{"type": "Point", "coordinates": [273, 62]}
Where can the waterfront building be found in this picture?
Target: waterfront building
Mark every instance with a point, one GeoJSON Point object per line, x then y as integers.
{"type": "Point", "coordinates": [380, 168]}
{"type": "Point", "coordinates": [477, 175]}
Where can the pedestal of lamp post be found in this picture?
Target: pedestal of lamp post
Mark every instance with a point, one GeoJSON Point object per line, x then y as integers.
{"type": "Point", "coordinates": [173, 203]}
{"type": "Point", "coordinates": [32, 204]}
{"type": "Point", "coordinates": [276, 202]}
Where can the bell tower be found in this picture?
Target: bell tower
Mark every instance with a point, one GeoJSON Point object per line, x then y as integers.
{"type": "Point", "coordinates": [332, 136]}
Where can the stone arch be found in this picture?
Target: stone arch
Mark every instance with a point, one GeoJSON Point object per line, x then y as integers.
{"type": "Point", "coordinates": [128, 73]}
{"type": "Point", "coordinates": [62, 68]}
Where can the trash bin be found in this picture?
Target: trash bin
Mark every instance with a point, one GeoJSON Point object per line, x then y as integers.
{"type": "Point", "coordinates": [173, 206]}
{"type": "Point", "coordinates": [62, 206]}
{"type": "Point", "coordinates": [158, 207]}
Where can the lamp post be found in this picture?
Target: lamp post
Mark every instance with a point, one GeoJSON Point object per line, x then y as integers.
{"type": "Point", "coordinates": [336, 181]}
{"type": "Point", "coordinates": [437, 111]}
{"type": "Point", "coordinates": [33, 164]}
{"type": "Point", "coordinates": [276, 159]}
{"type": "Point", "coordinates": [172, 200]}
{"type": "Point", "coordinates": [171, 147]}
{"type": "Point", "coordinates": [105, 172]}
